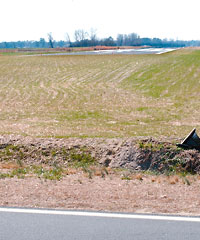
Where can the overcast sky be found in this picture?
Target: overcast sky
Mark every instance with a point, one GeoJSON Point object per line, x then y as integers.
{"type": "Point", "coordinates": [33, 19]}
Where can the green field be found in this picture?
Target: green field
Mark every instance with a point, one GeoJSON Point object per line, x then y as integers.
{"type": "Point", "coordinates": [100, 96]}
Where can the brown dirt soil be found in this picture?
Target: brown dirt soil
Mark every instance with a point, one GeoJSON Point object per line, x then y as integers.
{"type": "Point", "coordinates": [146, 194]}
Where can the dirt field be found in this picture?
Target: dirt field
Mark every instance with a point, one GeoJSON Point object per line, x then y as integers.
{"type": "Point", "coordinates": [141, 194]}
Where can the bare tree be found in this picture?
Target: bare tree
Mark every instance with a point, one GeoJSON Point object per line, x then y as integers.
{"type": "Point", "coordinates": [50, 38]}
{"type": "Point", "coordinates": [93, 36]}
{"type": "Point", "coordinates": [120, 40]}
{"type": "Point", "coordinates": [80, 35]}
{"type": "Point", "coordinates": [68, 40]}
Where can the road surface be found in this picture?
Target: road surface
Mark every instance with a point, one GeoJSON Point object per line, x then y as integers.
{"type": "Point", "coordinates": [30, 224]}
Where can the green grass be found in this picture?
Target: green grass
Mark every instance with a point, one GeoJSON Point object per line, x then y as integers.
{"type": "Point", "coordinates": [81, 160]}
{"type": "Point", "coordinates": [55, 173]}
{"type": "Point", "coordinates": [172, 77]}
{"type": "Point", "coordinates": [100, 96]}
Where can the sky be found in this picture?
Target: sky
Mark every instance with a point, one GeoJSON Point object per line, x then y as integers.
{"type": "Point", "coordinates": [34, 19]}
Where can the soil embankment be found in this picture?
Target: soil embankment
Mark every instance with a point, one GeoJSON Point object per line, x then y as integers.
{"type": "Point", "coordinates": [131, 153]}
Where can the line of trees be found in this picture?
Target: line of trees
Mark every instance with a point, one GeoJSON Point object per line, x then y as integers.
{"type": "Point", "coordinates": [85, 39]}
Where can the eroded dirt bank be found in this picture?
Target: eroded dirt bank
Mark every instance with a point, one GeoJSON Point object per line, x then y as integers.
{"type": "Point", "coordinates": [132, 153]}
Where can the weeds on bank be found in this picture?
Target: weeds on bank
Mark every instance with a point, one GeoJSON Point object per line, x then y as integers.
{"type": "Point", "coordinates": [53, 173]}
{"type": "Point", "coordinates": [57, 173]}
{"type": "Point", "coordinates": [81, 160]}
{"type": "Point", "coordinates": [13, 159]}
{"type": "Point", "coordinates": [170, 177]}
{"type": "Point", "coordinates": [19, 173]}
{"type": "Point", "coordinates": [39, 171]}
{"type": "Point", "coordinates": [154, 146]}
{"type": "Point", "coordinates": [8, 151]}
{"type": "Point", "coordinates": [76, 161]}
{"type": "Point", "coordinates": [150, 146]}
{"type": "Point", "coordinates": [88, 164]}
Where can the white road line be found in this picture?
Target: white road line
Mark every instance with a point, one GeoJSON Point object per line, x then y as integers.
{"type": "Point", "coordinates": [98, 214]}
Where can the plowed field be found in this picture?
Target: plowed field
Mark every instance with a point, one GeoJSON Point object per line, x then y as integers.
{"type": "Point", "coordinates": [100, 96]}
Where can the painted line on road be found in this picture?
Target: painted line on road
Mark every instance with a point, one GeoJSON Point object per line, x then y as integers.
{"type": "Point", "coordinates": [98, 214]}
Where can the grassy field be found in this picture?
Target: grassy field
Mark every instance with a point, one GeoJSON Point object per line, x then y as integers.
{"type": "Point", "coordinates": [100, 96]}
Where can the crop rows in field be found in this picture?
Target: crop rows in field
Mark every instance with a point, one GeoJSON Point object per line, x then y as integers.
{"type": "Point", "coordinates": [107, 96]}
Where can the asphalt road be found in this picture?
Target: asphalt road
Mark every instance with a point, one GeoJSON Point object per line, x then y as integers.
{"type": "Point", "coordinates": [52, 225]}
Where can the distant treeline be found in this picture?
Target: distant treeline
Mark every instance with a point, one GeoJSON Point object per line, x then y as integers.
{"type": "Point", "coordinates": [82, 39]}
